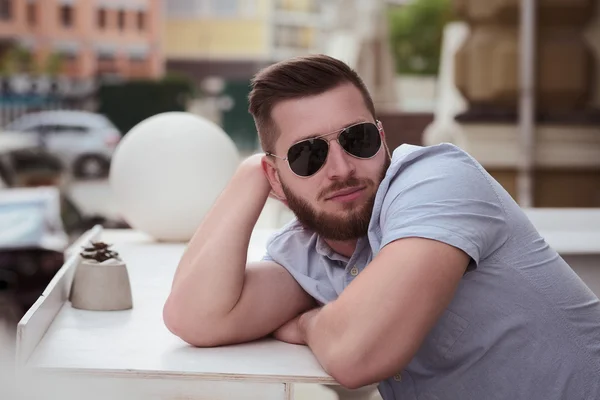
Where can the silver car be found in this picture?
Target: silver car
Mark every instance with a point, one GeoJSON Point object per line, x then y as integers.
{"type": "Point", "coordinates": [83, 141]}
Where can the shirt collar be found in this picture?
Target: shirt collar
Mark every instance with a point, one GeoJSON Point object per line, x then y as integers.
{"type": "Point", "coordinates": [324, 250]}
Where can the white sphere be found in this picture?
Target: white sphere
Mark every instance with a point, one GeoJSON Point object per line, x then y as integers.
{"type": "Point", "coordinates": [167, 172]}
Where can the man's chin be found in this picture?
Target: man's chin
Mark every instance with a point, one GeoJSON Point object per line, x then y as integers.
{"type": "Point", "coordinates": [341, 221]}
{"type": "Point", "coordinates": [341, 225]}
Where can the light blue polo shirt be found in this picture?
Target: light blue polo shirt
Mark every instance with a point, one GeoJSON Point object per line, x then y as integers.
{"type": "Point", "coordinates": [522, 325]}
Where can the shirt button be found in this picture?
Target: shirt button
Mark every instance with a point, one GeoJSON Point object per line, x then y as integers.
{"type": "Point", "coordinates": [398, 377]}
{"type": "Point", "coordinates": [354, 271]}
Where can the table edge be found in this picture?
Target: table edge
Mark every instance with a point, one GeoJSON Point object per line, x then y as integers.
{"type": "Point", "coordinates": [35, 323]}
{"type": "Point", "coordinates": [144, 374]}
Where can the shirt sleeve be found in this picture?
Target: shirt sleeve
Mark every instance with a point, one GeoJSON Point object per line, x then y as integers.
{"type": "Point", "coordinates": [294, 250]}
{"type": "Point", "coordinates": [445, 196]}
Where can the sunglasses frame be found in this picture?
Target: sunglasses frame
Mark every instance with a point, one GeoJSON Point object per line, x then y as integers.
{"type": "Point", "coordinates": [377, 124]}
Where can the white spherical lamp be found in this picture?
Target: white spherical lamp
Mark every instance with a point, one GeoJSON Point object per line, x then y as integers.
{"type": "Point", "coordinates": [168, 171]}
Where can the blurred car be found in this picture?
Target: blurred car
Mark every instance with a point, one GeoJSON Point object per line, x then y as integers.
{"type": "Point", "coordinates": [83, 141]}
{"type": "Point", "coordinates": [32, 244]}
{"type": "Point", "coordinates": [9, 146]}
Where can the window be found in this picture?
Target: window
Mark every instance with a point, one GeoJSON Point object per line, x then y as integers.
{"type": "Point", "coordinates": [106, 51]}
{"type": "Point", "coordinates": [139, 53]}
{"type": "Point", "coordinates": [121, 19]}
{"type": "Point", "coordinates": [224, 7]}
{"type": "Point", "coordinates": [68, 56]}
{"type": "Point", "coordinates": [31, 13]}
{"type": "Point", "coordinates": [66, 15]}
{"type": "Point", "coordinates": [285, 36]}
{"type": "Point", "coordinates": [53, 129]}
{"type": "Point", "coordinates": [101, 18]}
{"type": "Point", "coordinates": [58, 128]}
{"type": "Point", "coordinates": [6, 9]}
{"type": "Point", "coordinates": [138, 58]}
{"type": "Point", "coordinates": [34, 129]}
{"type": "Point", "coordinates": [106, 57]}
{"type": "Point", "coordinates": [182, 8]}
{"type": "Point", "coordinates": [141, 20]}
{"type": "Point", "coordinates": [294, 36]}
{"type": "Point", "coordinates": [70, 129]}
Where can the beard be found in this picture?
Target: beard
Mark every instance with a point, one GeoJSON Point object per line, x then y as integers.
{"type": "Point", "coordinates": [352, 224]}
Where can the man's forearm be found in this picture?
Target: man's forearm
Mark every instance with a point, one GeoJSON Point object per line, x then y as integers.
{"type": "Point", "coordinates": [326, 334]}
{"type": "Point", "coordinates": [210, 275]}
{"type": "Point", "coordinates": [309, 327]}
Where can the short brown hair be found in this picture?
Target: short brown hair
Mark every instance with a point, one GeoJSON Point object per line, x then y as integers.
{"type": "Point", "coordinates": [296, 78]}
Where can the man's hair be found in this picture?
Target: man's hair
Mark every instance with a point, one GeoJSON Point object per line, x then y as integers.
{"type": "Point", "coordinates": [293, 79]}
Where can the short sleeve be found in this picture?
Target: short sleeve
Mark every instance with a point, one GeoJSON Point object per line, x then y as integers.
{"type": "Point", "coordinates": [294, 249]}
{"type": "Point", "coordinates": [267, 257]}
{"type": "Point", "coordinates": [445, 195]}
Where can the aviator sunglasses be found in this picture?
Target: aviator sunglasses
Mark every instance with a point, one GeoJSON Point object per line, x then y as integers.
{"type": "Point", "coordinates": [307, 157]}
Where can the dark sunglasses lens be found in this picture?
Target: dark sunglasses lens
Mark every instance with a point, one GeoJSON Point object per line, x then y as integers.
{"type": "Point", "coordinates": [361, 140]}
{"type": "Point", "coordinates": [307, 157]}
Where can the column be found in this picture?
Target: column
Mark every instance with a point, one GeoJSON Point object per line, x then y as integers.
{"type": "Point", "coordinates": [567, 155]}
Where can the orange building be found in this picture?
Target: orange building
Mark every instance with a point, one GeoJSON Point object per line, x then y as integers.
{"type": "Point", "coordinates": [95, 38]}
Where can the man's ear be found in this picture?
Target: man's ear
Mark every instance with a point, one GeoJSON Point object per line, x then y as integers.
{"type": "Point", "coordinates": [268, 165]}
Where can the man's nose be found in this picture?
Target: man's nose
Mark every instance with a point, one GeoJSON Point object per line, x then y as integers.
{"type": "Point", "coordinates": [339, 163]}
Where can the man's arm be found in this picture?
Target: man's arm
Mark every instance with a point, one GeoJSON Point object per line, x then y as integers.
{"type": "Point", "coordinates": [438, 215]}
{"type": "Point", "coordinates": [215, 299]}
{"type": "Point", "coordinates": [379, 321]}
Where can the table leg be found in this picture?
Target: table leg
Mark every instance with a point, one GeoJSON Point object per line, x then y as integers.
{"type": "Point", "coordinates": [289, 391]}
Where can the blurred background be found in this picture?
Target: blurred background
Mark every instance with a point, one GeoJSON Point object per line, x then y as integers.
{"type": "Point", "coordinates": [515, 83]}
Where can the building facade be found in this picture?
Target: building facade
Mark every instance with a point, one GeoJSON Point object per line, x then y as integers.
{"type": "Point", "coordinates": [233, 39]}
{"type": "Point", "coordinates": [554, 160]}
{"type": "Point", "coordinates": [221, 44]}
{"type": "Point", "coordinates": [225, 38]}
{"type": "Point", "coordinates": [92, 38]}
{"type": "Point", "coordinates": [299, 27]}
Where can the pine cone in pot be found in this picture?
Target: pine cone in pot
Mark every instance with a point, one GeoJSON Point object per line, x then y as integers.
{"type": "Point", "coordinates": [101, 281]}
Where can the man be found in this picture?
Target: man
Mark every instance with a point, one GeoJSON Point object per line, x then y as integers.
{"type": "Point", "coordinates": [417, 271]}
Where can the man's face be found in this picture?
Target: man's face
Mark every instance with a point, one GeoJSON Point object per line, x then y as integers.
{"type": "Point", "coordinates": [337, 201]}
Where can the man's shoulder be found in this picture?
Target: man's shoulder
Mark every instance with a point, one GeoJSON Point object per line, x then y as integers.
{"type": "Point", "coordinates": [422, 156]}
{"type": "Point", "coordinates": [411, 165]}
{"type": "Point", "coordinates": [438, 175]}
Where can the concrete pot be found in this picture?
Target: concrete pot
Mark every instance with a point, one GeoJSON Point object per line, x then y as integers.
{"type": "Point", "coordinates": [101, 286]}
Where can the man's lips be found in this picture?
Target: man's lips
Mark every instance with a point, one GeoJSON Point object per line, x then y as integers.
{"type": "Point", "coordinates": [345, 193]}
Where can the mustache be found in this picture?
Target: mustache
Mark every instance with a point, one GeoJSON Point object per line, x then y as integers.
{"type": "Point", "coordinates": [351, 182]}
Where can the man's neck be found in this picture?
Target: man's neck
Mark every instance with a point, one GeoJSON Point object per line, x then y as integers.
{"type": "Point", "coordinates": [343, 247]}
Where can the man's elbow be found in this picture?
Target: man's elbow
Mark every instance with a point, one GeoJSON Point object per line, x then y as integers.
{"type": "Point", "coordinates": [354, 371]}
{"type": "Point", "coordinates": [348, 376]}
{"type": "Point", "coordinates": [345, 369]}
{"type": "Point", "coordinates": [193, 331]}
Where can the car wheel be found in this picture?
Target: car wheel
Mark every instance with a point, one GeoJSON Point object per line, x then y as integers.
{"type": "Point", "coordinates": [91, 166]}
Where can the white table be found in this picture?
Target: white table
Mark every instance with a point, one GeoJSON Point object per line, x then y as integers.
{"type": "Point", "coordinates": [131, 354]}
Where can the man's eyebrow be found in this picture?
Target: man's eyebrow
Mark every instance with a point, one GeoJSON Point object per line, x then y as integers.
{"type": "Point", "coordinates": [308, 137]}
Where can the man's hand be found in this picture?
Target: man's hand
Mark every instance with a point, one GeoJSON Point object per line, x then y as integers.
{"type": "Point", "coordinates": [290, 332]}
{"type": "Point", "coordinates": [294, 331]}
{"type": "Point", "coordinates": [257, 161]}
